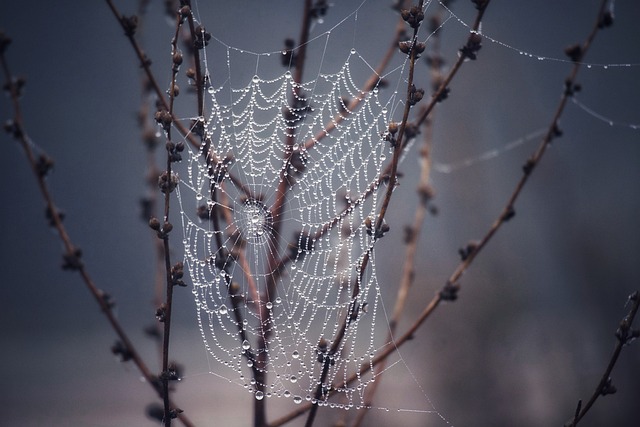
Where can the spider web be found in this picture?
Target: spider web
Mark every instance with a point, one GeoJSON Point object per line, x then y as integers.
{"type": "Point", "coordinates": [285, 292]}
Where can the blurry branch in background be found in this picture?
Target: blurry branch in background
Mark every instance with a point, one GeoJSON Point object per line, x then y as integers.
{"type": "Point", "coordinates": [149, 203]}
{"type": "Point", "coordinates": [625, 335]}
{"type": "Point", "coordinates": [41, 165]}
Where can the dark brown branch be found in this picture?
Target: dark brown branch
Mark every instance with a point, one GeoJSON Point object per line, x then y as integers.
{"type": "Point", "coordinates": [625, 335]}
{"type": "Point", "coordinates": [169, 412]}
{"type": "Point", "coordinates": [72, 255]}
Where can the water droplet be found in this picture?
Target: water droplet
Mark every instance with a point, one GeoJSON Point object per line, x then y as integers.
{"type": "Point", "coordinates": [295, 354]}
{"type": "Point", "coordinates": [353, 51]}
{"type": "Point", "coordinates": [278, 300]}
{"type": "Point", "coordinates": [210, 89]}
{"type": "Point", "coordinates": [198, 196]}
{"type": "Point", "coordinates": [246, 345]}
{"type": "Point", "coordinates": [259, 395]}
{"type": "Point", "coordinates": [383, 157]}
{"type": "Point", "coordinates": [222, 309]}
{"type": "Point", "coordinates": [293, 379]}
{"type": "Point", "coordinates": [287, 74]}
{"type": "Point", "coordinates": [269, 305]}
{"type": "Point", "coordinates": [250, 363]}
{"type": "Point", "coordinates": [255, 79]}
{"type": "Point", "coordinates": [297, 400]}
{"type": "Point", "coordinates": [287, 393]}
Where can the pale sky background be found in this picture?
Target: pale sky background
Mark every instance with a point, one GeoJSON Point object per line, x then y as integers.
{"type": "Point", "coordinates": [533, 328]}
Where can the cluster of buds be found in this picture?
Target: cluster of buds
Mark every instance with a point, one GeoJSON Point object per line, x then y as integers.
{"type": "Point", "coordinates": [164, 119]}
{"type": "Point", "coordinates": [570, 88]}
{"type": "Point", "coordinates": [574, 52]}
{"type": "Point", "coordinates": [474, 44]}
{"type": "Point", "coordinates": [43, 165]}
{"type": "Point", "coordinates": [161, 313]}
{"type": "Point", "coordinates": [185, 12]}
{"type": "Point", "coordinates": [415, 95]}
{"type": "Point", "coordinates": [450, 291]}
{"type": "Point", "coordinates": [379, 231]}
{"type": "Point", "coordinates": [122, 351]}
{"type": "Point", "coordinates": [72, 260]}
{"type": "Point", "coordinates": [15, 84]}
{"type": "Point", "coordinates": [177, 272]}
{"type": "Point", "coordinates": [413, 17]}
{"type": "Point", "coordinates": [176, 59]}
{"type": "Point", "coordinates": [167, 183]}
{"type": "Point", "coordinates": [468, 250]}
{"type": "Point", "coordinates": [202, 37]}
{"type": "Point", "coordinates": [407, 46]}
{"type": "Point", "coordinates": [174, 150]}
{"type": "Point", "coordinates": [319, 9]}
{"type": "Point", "coordinates": [162, 230]}
{"type": "Point", "coordinates": [129, 24]}
{"type": "Point", "coordinates": [390, 135]}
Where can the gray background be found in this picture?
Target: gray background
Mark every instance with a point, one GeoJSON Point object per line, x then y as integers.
{"type": "Point", "coordinates": [533, 328]}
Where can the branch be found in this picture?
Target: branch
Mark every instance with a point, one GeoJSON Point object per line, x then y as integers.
{"type": "Point", "coordinates": [625, 335]}
{"type": "Point", "coordinates": [72, 255]}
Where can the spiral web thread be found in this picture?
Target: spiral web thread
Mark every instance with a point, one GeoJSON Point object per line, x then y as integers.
{"type": "Point", "coordinates": [333, 185]}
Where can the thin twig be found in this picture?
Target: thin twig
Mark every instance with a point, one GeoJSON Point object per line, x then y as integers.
{"type": "Point", "coordinates": [166, 312]}
{"type": "Point", "coordinates": [624, 335]}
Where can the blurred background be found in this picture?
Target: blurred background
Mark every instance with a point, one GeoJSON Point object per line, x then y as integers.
{"type": "Point", "coordinates": [533, 328]}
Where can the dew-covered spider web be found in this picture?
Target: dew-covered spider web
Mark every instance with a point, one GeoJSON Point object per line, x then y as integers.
{"type": "Point", "coordinates": [284, 280]}
{"type": "Point", "coordinates": [279, 242]}
{"type": "Point", "coordinates": [277, 210]}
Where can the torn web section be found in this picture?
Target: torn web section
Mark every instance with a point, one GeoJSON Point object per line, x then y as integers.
{"type": "Point", "coordinates": [326, 307]}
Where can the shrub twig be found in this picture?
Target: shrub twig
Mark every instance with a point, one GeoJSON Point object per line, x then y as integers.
{"type": "Point", "coordinates": [625, 334]}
